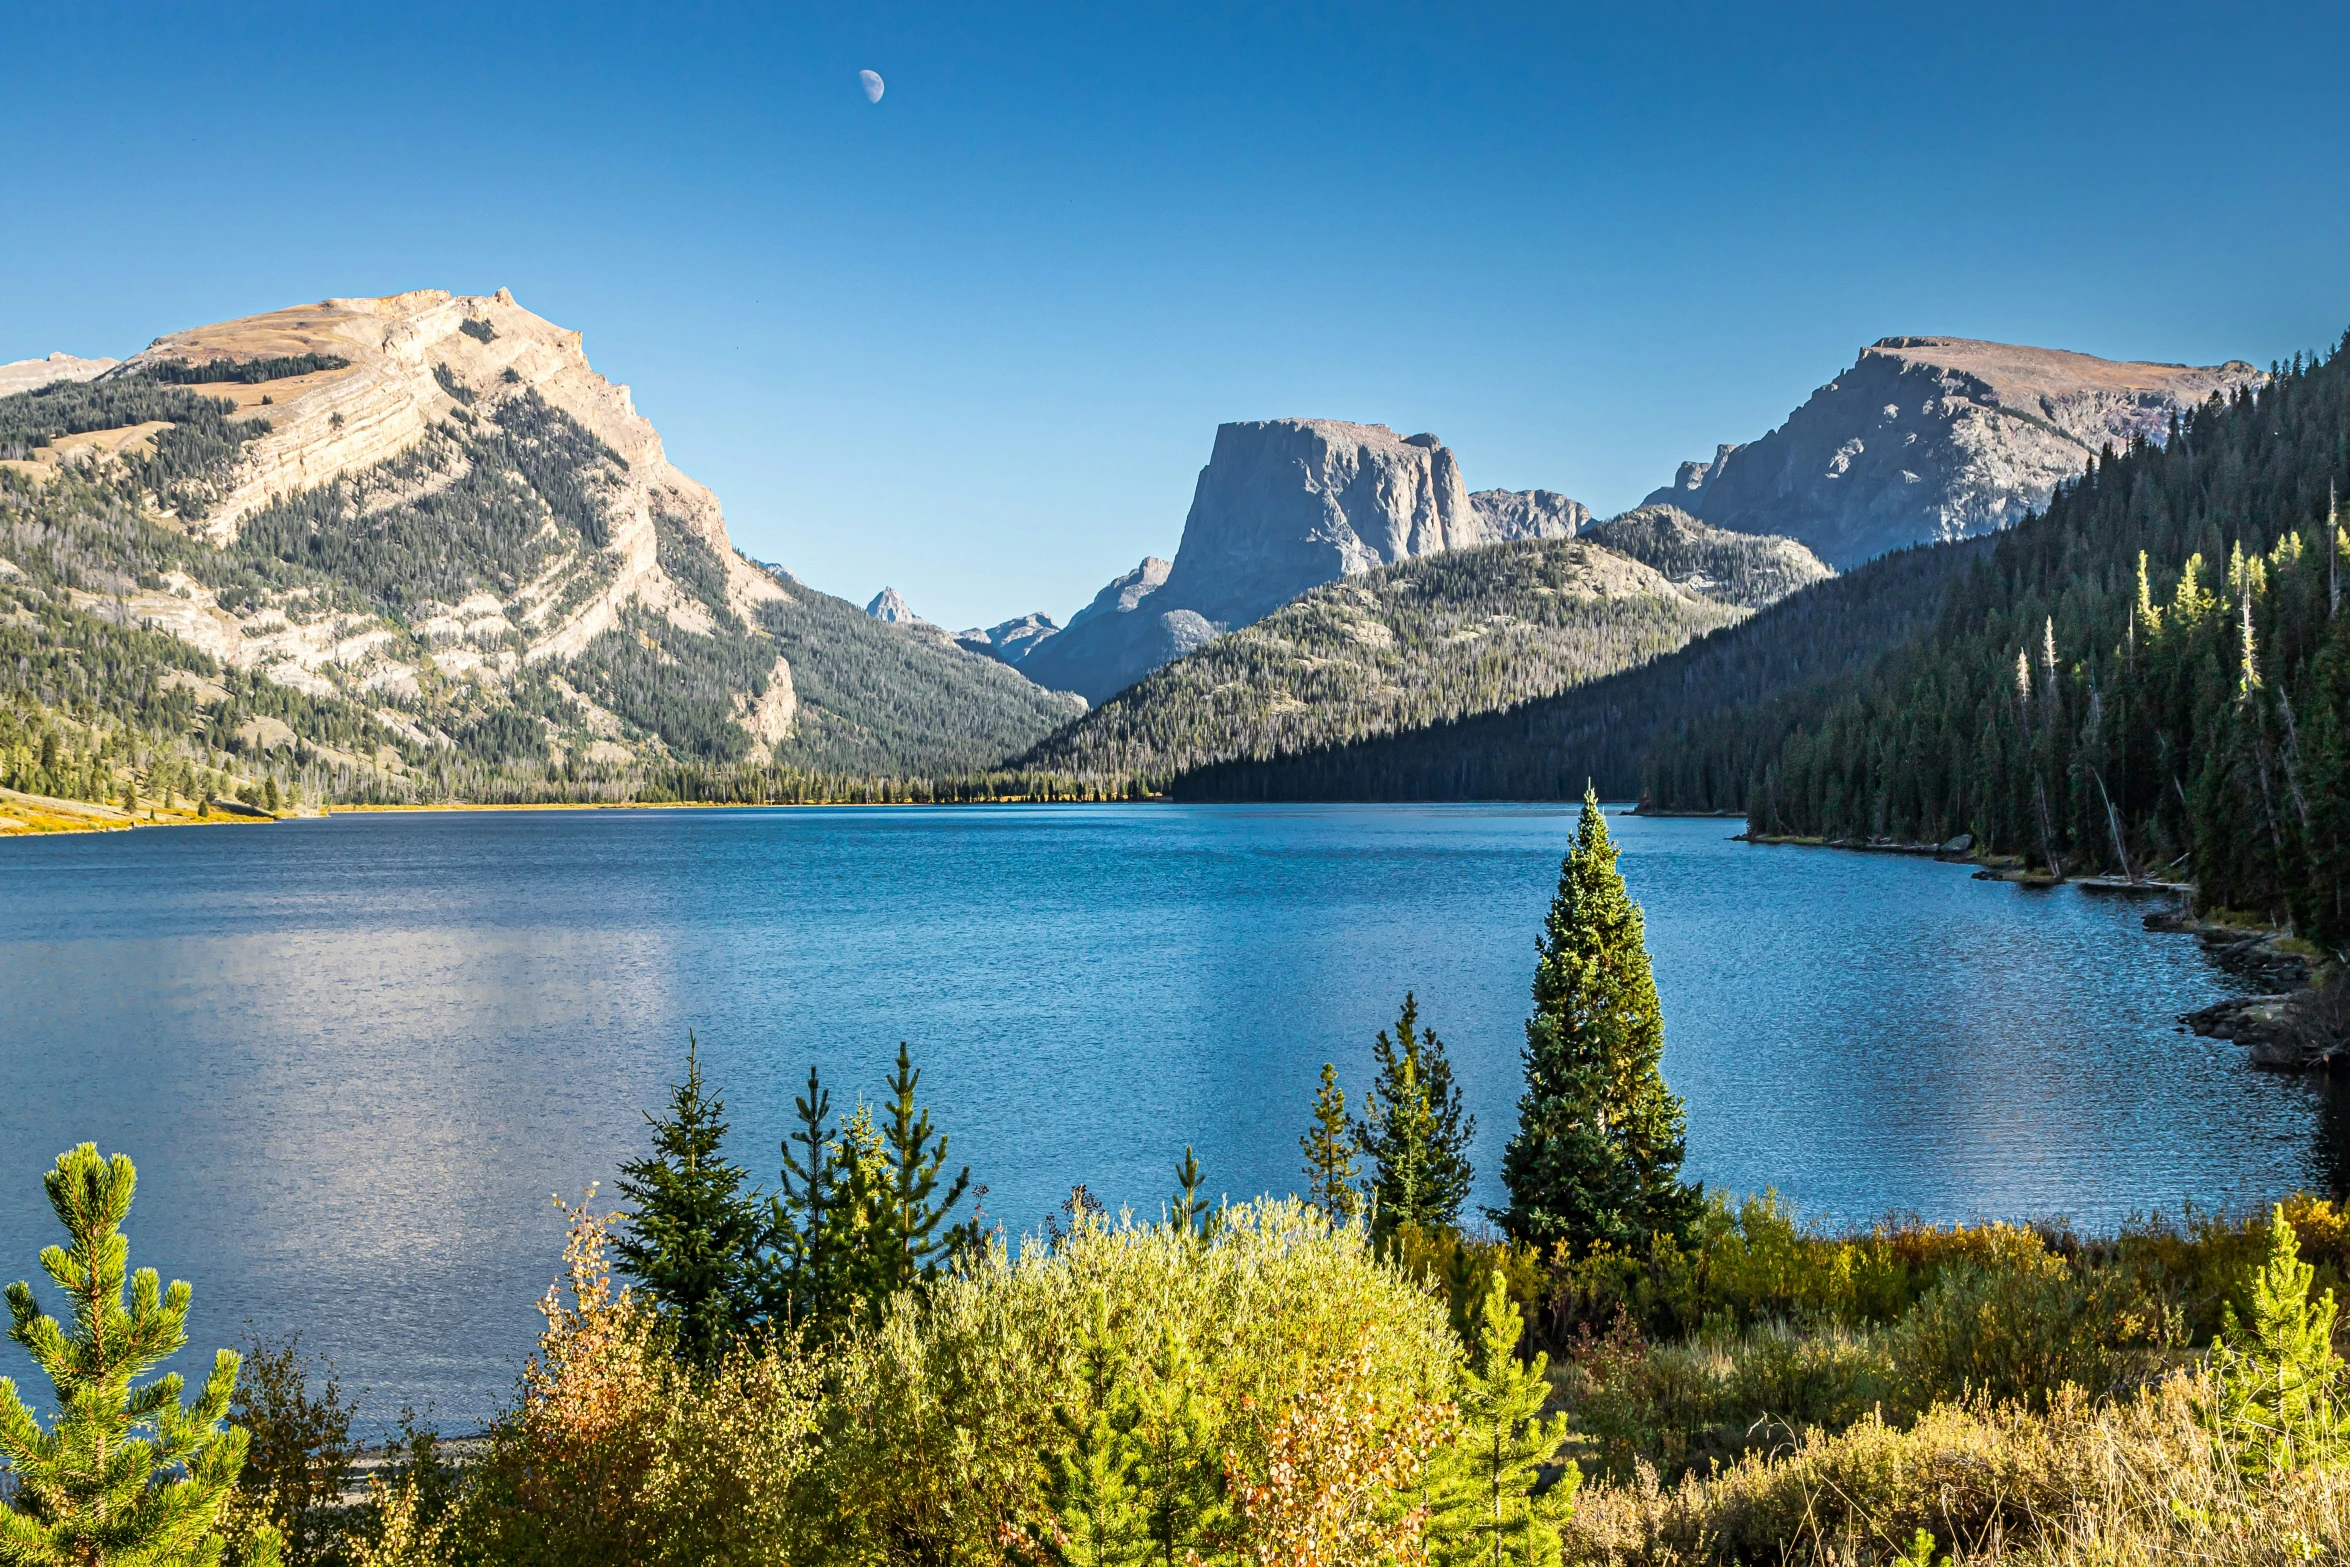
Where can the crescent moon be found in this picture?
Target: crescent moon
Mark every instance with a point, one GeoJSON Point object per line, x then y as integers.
{"type": "Point", "coordinates": [871, 80]}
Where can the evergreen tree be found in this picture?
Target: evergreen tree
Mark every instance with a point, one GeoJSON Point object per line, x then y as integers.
{"type": "Point", "coordinates": [1487, 1512]}
{"type": "Point", "coordinates": [811, 1260]}
{"type": "Point", "coordinates": [1177, 1469]}
{"type": "Point", "coordinates": [91, 1491]}
{"type": "Point", "coordinates": [1099, 1516]}
{"type": "Point", "coordinates": [913, 1238]}
{"type": "Point", "coordinates": [1190, 1208]}
{"type": "Point", "coordinates": [1413, 1130]}
{"type": "Point", "coordinates": [1329, 1147]}
{"type": "Point", "coordinates": [2281, 1385]}
{"type": "Point", "coordinates": [694, 1236]}
{"type": "Point", "coordinates": [1597, 1155]}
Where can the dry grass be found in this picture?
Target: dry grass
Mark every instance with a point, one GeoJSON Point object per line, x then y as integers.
{"type": "Point", "coordinates": [2135, 1480]}
{"type": "Point", "coordinates": [26, 814]}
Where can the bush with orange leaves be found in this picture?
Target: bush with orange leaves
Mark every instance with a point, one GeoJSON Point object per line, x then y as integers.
{"type": "Point", "coordinates": [616, 1452]}
{"type": "Point", "coordinates": [1338, 1466]}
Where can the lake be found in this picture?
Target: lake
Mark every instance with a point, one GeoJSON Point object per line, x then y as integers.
{"type": "Point", "coordinates": [355, 1058]}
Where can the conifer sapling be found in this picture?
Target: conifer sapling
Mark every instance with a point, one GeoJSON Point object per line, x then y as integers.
{"type": "Point", "coordinates": [1329, 1147]}
{"type": "Point", "coordinates": [918, 1239]}
{"type": "Point", "coordinates": [1414, 1130]}
{"type": "Point", "coordinates": [1489, 1511]}
{"type": "Point", "coordinates": [93, 1489]}
{"type": "Point", "coordinates": [2281, 1393]}
{"type": "Point", "coordinates": [1191, 1210]}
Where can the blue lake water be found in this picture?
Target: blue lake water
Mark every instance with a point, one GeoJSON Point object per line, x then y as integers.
{"type": "Point", "coordinates": [355, 1058]}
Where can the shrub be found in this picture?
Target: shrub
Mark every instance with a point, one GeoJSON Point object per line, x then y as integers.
{"type": "Point", "coordinates": [2023, 1333]}
{"type": "Point", "coordinates": [935, 1444]}
{"type": "Point", "coordinates": [300, 1451]}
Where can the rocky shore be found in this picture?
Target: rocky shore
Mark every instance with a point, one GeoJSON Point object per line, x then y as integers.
{"type": "Point", "coordinates": [2287, 1025]}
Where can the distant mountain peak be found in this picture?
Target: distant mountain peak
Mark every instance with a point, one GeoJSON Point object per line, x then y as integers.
{"type": "Point", "coordinates": [888, 605]}
{"type": "Point", "coordinates": [1937, 438]}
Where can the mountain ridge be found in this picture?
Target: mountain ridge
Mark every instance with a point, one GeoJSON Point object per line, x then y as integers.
{"type": "Point", "coordinates": [1929, 439]}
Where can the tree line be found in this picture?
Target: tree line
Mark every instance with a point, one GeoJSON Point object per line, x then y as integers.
{"type": "Point", "coordinates": [2151, 678]}
{"type": "Point", "coordinates": [1606, 731]}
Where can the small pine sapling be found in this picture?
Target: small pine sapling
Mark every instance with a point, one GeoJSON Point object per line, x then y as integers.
{"type": "Point", "coordinates": [1414, 1131]}
{"type": "Point", "coordinates": [1329, 1147]}
{"type": "Point", "coordinates": [1098, 1516]}
{"type": "Point", "coordinates": [918, 1240]}
{"type": "Point", "coordinates": [2280, 1382]}
{"type": "Point", "coordinates": [1190, 1209]}
{"type": "Point", "coordinates": [92, 1490]}
{"type": "Point", "coordinates": [1176, 1465]}
{"type": "Point", "coordinates": [1489, 1511]}
{"type": "Point", "coordinates": [694, 1235]}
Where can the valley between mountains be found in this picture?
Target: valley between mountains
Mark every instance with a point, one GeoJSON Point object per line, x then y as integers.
{"type": "Point", "coordinates": [414, 549]}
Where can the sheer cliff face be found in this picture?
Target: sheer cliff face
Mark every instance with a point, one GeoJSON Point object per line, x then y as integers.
{"type": "Point", "coordinates": [1927, 439]}
{"type": "Point", "coordinates": [1283, 506]}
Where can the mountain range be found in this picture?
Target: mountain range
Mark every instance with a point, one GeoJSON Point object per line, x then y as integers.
{"type": "Point", "coordinates": [415, 547]}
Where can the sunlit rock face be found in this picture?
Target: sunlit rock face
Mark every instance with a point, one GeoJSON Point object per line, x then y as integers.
{"type": "Point", "coordinates": [1927, 439]}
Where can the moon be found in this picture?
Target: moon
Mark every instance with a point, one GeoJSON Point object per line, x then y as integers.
{"type": "Point", "coordinates": [871, 81]}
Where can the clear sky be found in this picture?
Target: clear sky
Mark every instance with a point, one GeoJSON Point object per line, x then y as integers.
{"type": "Point", "coordinates": [973, 341]}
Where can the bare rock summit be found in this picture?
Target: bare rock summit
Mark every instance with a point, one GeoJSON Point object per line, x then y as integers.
{"type": "Point", "coordinates": [1529, 514]}
{"type": "Point", "coordinates": [1010, 642]}
{"type": "Point", "coordinates": [890, 607]}
{"type": "Point", "coordinates": [1928, 439]}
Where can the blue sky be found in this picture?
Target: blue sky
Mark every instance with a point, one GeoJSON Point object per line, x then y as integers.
{"type": "Point", "coordinates": [973, 341]}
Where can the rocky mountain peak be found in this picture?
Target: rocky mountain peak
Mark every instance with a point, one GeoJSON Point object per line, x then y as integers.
{"type": "Point", "coordinates": [889, 606]}
{"type": "Point", "coordinates": [1937, 438]}
{"type": "Point", "coordinates": [1529, 514]}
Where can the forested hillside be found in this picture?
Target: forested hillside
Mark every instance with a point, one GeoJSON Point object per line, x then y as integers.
{"type": "Point", "coordinates": [1400, 647]}
{"type": "Point", "coordinates": [2152, 677]}
{"type": "Point", "coordinates": [1546, 749]}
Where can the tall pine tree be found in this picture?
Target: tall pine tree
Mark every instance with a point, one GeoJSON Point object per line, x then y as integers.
{"type": "Point", "coordinates": [127, 1474]}
{"type": "Point", "coordinates": [1597, 1155]}
{"type": "Point", "coordinates": [694, 1236]}
{"type": "Point", "coordinates": [1413, 1130]}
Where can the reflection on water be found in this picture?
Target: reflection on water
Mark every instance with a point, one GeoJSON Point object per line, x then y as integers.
{"type": "Point", "coordinates": [356, 1058]}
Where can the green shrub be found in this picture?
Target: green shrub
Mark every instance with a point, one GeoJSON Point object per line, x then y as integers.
{"type": "Point", "coordinates": [935, 1443]}
{"type": "Point", "coordinates": [2024, 1333]}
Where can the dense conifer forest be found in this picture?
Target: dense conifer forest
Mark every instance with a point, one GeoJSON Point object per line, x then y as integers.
{"type": "Point", "coordinates": [1548, 748]}
{"type": "Point", "coordinates": [2152, 678]}
{"type": "Point", "coordinates": [1398, 648]}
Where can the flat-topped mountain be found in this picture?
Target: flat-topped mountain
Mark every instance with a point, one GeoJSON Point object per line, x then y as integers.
{"type": "Point", "coordinates": [1936, 438]}
{"type": "Point", "coordinates": [425, 540]}
{"type": "Point", "coordinates": [1284, 506]}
